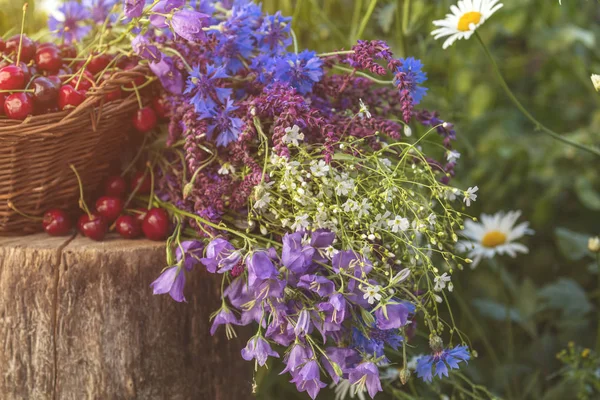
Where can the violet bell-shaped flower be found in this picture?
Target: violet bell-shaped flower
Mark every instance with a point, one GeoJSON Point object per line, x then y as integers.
{"type": "Point", "coordinates": [258, 348]}
{"type": "Point", "coordinates": [260, 268]}
{"type": "Point", "coordinates": [189, 25]}
{"type": "Point", "coordinates": [169, 76]}
{"type": "Point", "coordinates": [366, 374]}
{"type": "Point", "coordinates": [298, 356]}
{"type": "Point", "coordinates": [171, 281]}
{"type": "Point", "coordinates": [134, 8]}
{"type": "Point", "coordinates": [294, 256]}
{"type": "Point", "coordinates": [164, 7]}
{"type": "Point", "coordinates": [392, 316]}
{"type": "Point", "coordinates": [220, 254]}
{"type": "Point", "coordinates": [143, 48]}
{"type": "Point", "coordinates": [224, 317]}
{"type": "Point", "coordinates": [308, 379]}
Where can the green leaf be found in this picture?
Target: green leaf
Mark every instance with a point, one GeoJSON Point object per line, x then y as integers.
{"type": "Point", "coordinates": [586, 193]}
{"type": "Point", "coordinates": [496, 311]}
{"type": "Point", "coordinates": [566, 295]}
{"type": "Point", "coordinates": [572, 245]}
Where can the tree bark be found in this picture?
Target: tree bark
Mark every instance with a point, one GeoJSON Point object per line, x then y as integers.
{"type": "Point", "coordinates": [78, 321]}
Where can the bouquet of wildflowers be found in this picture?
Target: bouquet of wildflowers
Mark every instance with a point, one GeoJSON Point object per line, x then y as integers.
{"type": "Point", "coordinates": [312, 184]}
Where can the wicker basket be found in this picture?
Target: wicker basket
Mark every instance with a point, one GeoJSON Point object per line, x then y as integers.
{"type": "Point", "coordinates": [35, 154]}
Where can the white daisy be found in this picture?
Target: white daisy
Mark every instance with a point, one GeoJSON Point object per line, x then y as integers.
{"type": "Point", "coordinates": [496, 234]}
{"type": "Point", "coordinates": [466, 17]}
{"type": "Point", "coordinates": [344, 388]}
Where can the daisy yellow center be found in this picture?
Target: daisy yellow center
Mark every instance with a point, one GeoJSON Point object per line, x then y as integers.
{"type": "Point", "coordinates": [493, 239]}
{"type": "Point", "coordinates": [472, 17]}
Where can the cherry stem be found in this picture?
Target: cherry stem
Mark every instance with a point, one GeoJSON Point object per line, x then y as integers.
{"type": "Point", "coordinates": [143, 85]}
{"type": "Point", "coordinates": [82, 204]}
{"type": "Point", "coordinates": [137, 156]}
{"type": "Point", "coordinates": [18, 90]}
{"type": "Point", "coordinates": [12, 206]}
{"type": "Point", "coordinates": [137, 95]}
{"type": "Point", "coordinates": [22, 30]}
{"type": "Point", "coordinates": [151, 167]}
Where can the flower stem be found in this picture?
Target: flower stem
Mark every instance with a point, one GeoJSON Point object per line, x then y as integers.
{"type": "Point", "coordinates": [350, 70]}
{"type": "Point", "coordinates": [598, 276]}
{"type": "Point", "coordinates": [517, 103]}
{"type": "Point", "coordinates": [336, 53]}
{"type": "Point", "coordinates": [366, 18]}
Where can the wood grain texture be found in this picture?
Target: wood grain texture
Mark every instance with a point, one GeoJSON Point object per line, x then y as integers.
{"type": "Point", "coordinates": [79, 321]}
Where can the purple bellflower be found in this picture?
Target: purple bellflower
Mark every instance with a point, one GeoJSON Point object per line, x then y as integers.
{"type": "Point", "coordinates": [220, 254]}
{"type": "Point", "coordinates": [143, 48]}
{"type": "Point", "coordinates": [134, 8]}
{"type": "Point", "coordinates": [164, 7]}
{"type": "Point", "coordinates": [189, 25]}
{"type": "Point", "coordinates": [169, 76]}
{"type": "Point", "coordinates": [366, 374]}
{"type": "Point", "coordinates": [171, 281]}
{"type": "Point", "coordinates": [258, 348]}
{"type": "Point", "coordinates": [308, 379]}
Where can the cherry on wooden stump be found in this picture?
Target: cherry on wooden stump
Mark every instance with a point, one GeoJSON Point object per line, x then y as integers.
{"type": "Point", "coordinates": [56, 222]}
{"type": "Point", "coordinates": [93, 226]}
{"type": "Point", "coordinates": [143, 181]}
{"type": "Point", "coordinates": [115, 186]}
{"type": "Point", "coordinates": [109, 207]}
{"type": "Point", "coordinates": [156, 224]}
{"type": "Point", "coordinates": [128, 227]}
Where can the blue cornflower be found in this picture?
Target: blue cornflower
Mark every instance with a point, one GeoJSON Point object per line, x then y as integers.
{"type": "Point", "coordinates": [412, 76]}
{"type": "Point", "coordinates": [232, 49]}
{"type": "Point", "coordinates": [264, 65]}
{"type": "Point", "coordinates": [375, 343]}
{"type": "Point", "coordinates": [222, 121]}
{"type": "Point", "coordinates": [203, 87]}
{"type": "Point", "coordinates": [69, 24]}
{"type": "Point", "coordinates": [300, 70]}
{"type": "Point", "coordinates": [442, 360]}
{"type": "Point", "coordinates": [274, 34]}
{"type": "Point", "coordinates": [100, 9]}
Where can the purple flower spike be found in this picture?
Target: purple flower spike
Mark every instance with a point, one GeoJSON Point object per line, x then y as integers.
{"type": "Point", "coordinates": [397, 316]}
{"type": "Point", "coordinates": [258, 348]}
{"type": "Point", "coordinates": [367, 372]}
{"type": "Point", "coordinates": [224, 317]}
{"type": "Point", "coordinates": [188, 24]}
{"type": "Point", "coordinates": [143, 48]}
{"type": "Point", "coordinates": [134, 8]}
{"type": "Point", "coordinates": [171, 281]}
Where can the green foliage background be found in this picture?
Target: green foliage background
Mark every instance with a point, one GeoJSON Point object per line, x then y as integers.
{"type": "Point", "coordinates": [546, 52]}
{"type": "Point", "coordinates": [518, 313]}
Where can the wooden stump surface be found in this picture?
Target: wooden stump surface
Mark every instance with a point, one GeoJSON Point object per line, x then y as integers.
{"type": "Point", "coordinates": [78, 321]}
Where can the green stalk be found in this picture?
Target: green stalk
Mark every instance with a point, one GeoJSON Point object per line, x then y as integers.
{"type": "Point", "coordinates": [366, 18]}
{"type": "Point", "coordinates": [517, 103]}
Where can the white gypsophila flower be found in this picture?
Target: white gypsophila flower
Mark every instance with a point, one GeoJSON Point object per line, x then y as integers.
{"type": "Point", "coordinates": [386, 162]}
{"type": "Point", "coordinates": [319, 169]}
{"type": "Point", "coordinates": [432, 218]}
{"type": "Point", "coordinates": [364, 111]}
{"type": "Point", "coordinates": [364, 208]}
{"type": "Point", "coordinates": [344, 187]}
{"type": "Point", "coordinates": [300, 223]}
{"type": "Point", "coordinates": [596, 81]}
{"type": "Point", "coordinates": [293, 135]}
{"type": "Point", "coordinates": [495, 234]}
{"type": "Point", "coordinates": [345, 388]}
{"type": "Point", "coordinates": [465, 17]}
{"type": "Point", "coordinates": [438, 299]}
{"type": "Point", "coordinates": [469, 195]}
{"type": "Point", "coordinates": [263, 202]}
{"type": "Point", "coordinates": [226, 169]}
{"type": "Point", "coordinates": [372, 294]}
{"type": "Point", "coordinates": [440, 282]}
{"type": "Point", "coordinates": [451, 194]}
{"type": "Point", "coordinates": [398, 224]}
{"type": "Point", "coordinates": [381, 220]}
{"type": "Point", "coordinates": [452, 156]}
{"type": "Point", "coordinates": [350, 205]}
{"type": "Point", "coordinates": [331, 251]}
{"type": "Point", "coordinates": [407, 131]}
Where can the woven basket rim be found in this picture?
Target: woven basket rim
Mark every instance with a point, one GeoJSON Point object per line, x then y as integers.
{"type": "Point", "coordinates": [39, 124]}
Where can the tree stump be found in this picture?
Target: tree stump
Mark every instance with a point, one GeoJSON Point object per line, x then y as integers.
{"type": "Point", "coordinates": [78, 321]}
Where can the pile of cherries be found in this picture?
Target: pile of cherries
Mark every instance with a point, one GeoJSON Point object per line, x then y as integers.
{"type": "Point", "coordinates": [44, 78]}
{"type": "Point", "coordinates": [110, 213]}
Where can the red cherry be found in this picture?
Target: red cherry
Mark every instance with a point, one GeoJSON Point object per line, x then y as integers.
{"type": "Point", "coordinates": [156, 224]}
{"type": "Point", "coordinates": [56, 222]}
{"type": "Point", "coordinates": [48, 58]}
{"type": "Point", "coordinates": [145, 185]}
{"type": "Point", "coordinates": [12, 78]}
{"type": "Point", "coordinates": [144, 119]}
{"type": "Point", "coordinates": [27, 47]}
{"type": "Point", "coordinates": [45, 92]}
{"type": "Point", "coordinates": [67, 51]}
{"type": "Point", "coordinates": [113, 95]}
{"type": "Point", "coordinates": [85, 81]}
{"type": "Point", "coordinates": [160, 106]}
{"type": "Point", "coordinates": [2, 100]}
{"type": "Point", "coordinates": [69, 97]}
{"type": "Point", "coordinates": [109, 207]}
{"type": "Point", "coordinates": [94, 227]}
{"type": "Point", "coordinates": [139, 214]}
{"type": "Point", "coordinates": [18, 106]}
{"type": "Point", "coordinates": [128, 227]}
{"type": "Point", "coordinates": [99, 63]}
{"type": "Point", "coordinates": [55, 79]}
{"type": "Point", "coordinates": [115, 186]}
